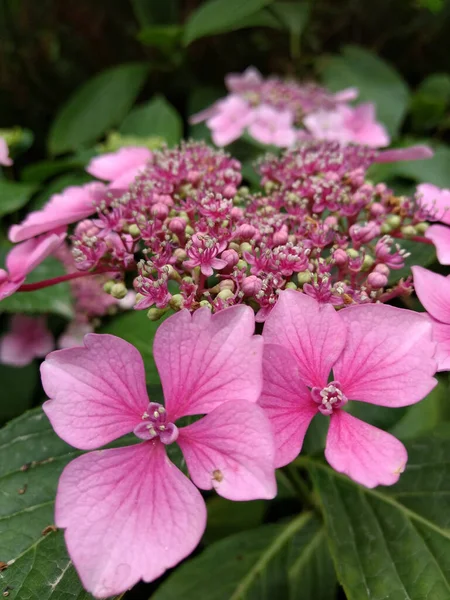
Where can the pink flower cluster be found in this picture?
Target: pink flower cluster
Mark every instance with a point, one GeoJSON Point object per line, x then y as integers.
{"type": "Point", "coordinates": [129, 513]}
{"type": "Point", "coordinates": [278, 113]}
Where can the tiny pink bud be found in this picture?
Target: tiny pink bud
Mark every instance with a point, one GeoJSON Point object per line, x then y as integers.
{"type": "Point", "coordinates": [251, 285]}
{"type": "Point", "coordinates": [193, 176]}
{"type": "Point", "coordinates": [377, 209]}
{"type": "Point", "coordinates": [231, 257]}
{"type": "Point", "coordinates": [280, 237]}
{"type": "Point", "coordinates": [245, 232]}
{"type": "Point", "coordinates": [229, 191]}
{"type": "Point", "coordinates": [166, 199]}
{"type": "Point", "coordinates": [236, 212]}
{"type": "Point", "coordinates": [383, 269]}
{"type": "Point", "coordinates": [86, 227]}
{"type": "Point", "coordinates": [331, 221]}
{"type": "Point", "coordinates": [177, 225]}
{"type": "Point", "coordinates": [377, 280]}
{"type": "Point", "coordinates": [340, 257]}
{"type": "Point", "coordinates": [160, 210]}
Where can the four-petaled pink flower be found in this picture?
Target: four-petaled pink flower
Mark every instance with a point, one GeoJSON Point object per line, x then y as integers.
{"type": "Point", "coordinates": [28, 338]}
{"type": "Point", "coordinates": [73, 204]}
{"type": "Point", "coordinates": [437, 202]}
{"type": "Point", "coordinates": [273, 127]}
{"type": "Point", "coordinates": [130, 513]}
{"type": "Point", "coordinates": [376, 353]}
{"type": "Point", "coordinates": [433, 291]}
{"type": "Point", "coordinates": [202, 251]}
{"type": "Point", "coordinates": [121, 167]}
{"type": "Point", "coordinates": [229, 119]}
{"type": "Point", "coordinates": [25, 257]}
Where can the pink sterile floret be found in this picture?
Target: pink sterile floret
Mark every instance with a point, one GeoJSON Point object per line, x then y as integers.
{"type": "Point", "coordinates": [130, 513]}
{"type": "Point", "coordinates": [377, 353]}
{"type": "Point", "coordinates": [73, 204]}
{"type": "Point", "coordinates": [229, 119]}
{"type": "Point", "coordinates": [273, 127]}
{"type": "Point", "coordinates": [436, 202]}
{"type": "Point", "coordinates": [120, 167]}
{"type": "Point", "coordinates": [5, 160]}
{"type": "Point", "coordinates": [25, 257]}
{"type": "Point", "coordinates": [433, 291]}
{"type": "Point", "coordinates": [28, 338]}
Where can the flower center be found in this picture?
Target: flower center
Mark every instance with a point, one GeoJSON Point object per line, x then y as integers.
{"type": "Point", "coordinates": [155, 424]}
{"type": "Point", "coordinates": [329, 398]}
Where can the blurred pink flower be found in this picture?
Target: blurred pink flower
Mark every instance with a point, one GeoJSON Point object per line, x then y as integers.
{"type": "Point", "coordinates": [5, 160]}
{"type": "Point", "coordinates": [74, 334]}
{"type": "Point", "coordinates": [231, 116]}
{"type": "Point", "coordinates": [28, 338]}
{"type": "Point", "coordinates": [273, 127]}
{"type": "Point", "coordinates": [25, 257]}
{"type": "Point", "coordinates": [433, 291]}
{"type": "Point", "coordinates": [120, 167]}
{"type": "Point", "coordinates": [73, 204]}
{"type": "Point", "coordinates": [129, 513]}
{"type": "Point", "coordinates": [436, 202]}
{"type": "Point", "coordinates": [250, 79]}
{"type": "Point", "coordinates": [378, 354]}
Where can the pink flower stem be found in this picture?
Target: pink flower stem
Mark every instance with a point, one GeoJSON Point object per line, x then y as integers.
{"type": "Point", "coordinates": [201, 284]}
{"type": "Point", "coordinates": [414, 238]}
{"type": "Point", "coordinates": [39, 285]}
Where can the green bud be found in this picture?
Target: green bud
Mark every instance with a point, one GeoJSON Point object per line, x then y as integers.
{"type": "Point", "coordinates": [270, 186]}
{"type": "Point", "coordinates": [409, 231]}
{"type": "Point", "coordinates": [393, 221]}
{"type": "Point", "coordinates": [176, 302]}
{"type": "Point", "coordinates": [108, 286]}
{"type": "Point", "coordinates": [154, 314]}
{"type": "Point", "coordinates": [385, 228]}
{"type": "Point", "coordinates": [233, 246]}
{"type": "Point", "coordinates": [422, 227]}
{"type": "Point", "coordinates": [241, 264]}
{"type": "Point", "coordinates": [367, 262]}
{"type": "Point", "coordinates": [189, 230]}
{"type": "Point", "coordinates": [134, 230]}
{"type": "Point", "coordinates": [291, 286]}
{"type": "Point", "coordinates": [226, 284]}
{"type": "Point", "coordinates": [205, 303]}
{"type": "Point", "coordinates": [118, 291]}
{"type": "Point", "coordinates": [245, 247]}
{"type": "Point", "coordinates": [352, 253]}
{"type": "Point", "coordinates": [304, 277]}
{"type": "Point", "coordinates": [225, 294]}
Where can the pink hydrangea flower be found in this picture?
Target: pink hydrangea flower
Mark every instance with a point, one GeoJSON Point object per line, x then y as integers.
{"type": "Point", "coordinates": [25, 257]}
{"type": "Point", "coordinates": [377, 354]}
{"type": "Point", "coordinates": [348, 124]}
{"type": "Point", "coordinates": [417, 152]}
{"type": "Point", "coordinates": [28, 338]}
{"type": "Point", "coordinates": [129, 513]}
{"type": "Point", "coordinates": [433, 291]}
{"type": "Point", "coordinates": [273, 127]}
{"type": "Point", "coordinates": [437, 202]}
{"type": "Point", "coordinates": [74, 334]}
{"type": "Point", "coordinates": [231, 116]}
{"type": "Point", "coordinates": [73, 204]}
{"type": "Point", "coordinates": [121, 167]}
{"type": "Point", "coordinates": [249, 80]}
{"type": "Point", "coordinates": [5, 160]}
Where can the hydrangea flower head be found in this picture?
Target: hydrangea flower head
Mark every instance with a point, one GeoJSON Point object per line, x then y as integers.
{"type": "Point", "coordinates": [317, 360]}
{"type": "Point", "coordinates": [130, 513]}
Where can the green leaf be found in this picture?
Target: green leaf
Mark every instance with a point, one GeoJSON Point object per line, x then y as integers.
{"type": "Point", "coordinates": [420, 254]}
{"type": "Point", "coordinates": [293, 15]}
{"type": "Point", "coordinates": [16, 392]}
{"type": "Point", "coordinates": [429, 103]}
{"type": "Point", "coordinates": [391, 542]}
{"type": "Point", "coordinates": [432, 170]}
{"type": "Point", "coordinates": [219, 16]}
{"type": "Point", "coordinates": [226, 517]}
{"type": "Point", "coordinates": [376, 81]}
{"type": "Point", "coordinates": [56, 299]}
{"type": "Point", "coordinates": [100, 103]}
{"type": "Point", "coordinates": [44, 169]}
{"type": "Point", "coordinates": [288, 561]}
{"type": "Point", "coordinates": [14, 195]}
{"type": "Point", "coordinates": [165, 37]}
{"type": "Point", "coordinates": [156, 118]}
{"type": "Point", "coordinates": [136, 328]}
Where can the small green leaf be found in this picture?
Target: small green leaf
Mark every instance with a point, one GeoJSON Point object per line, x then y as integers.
{"type": "Point", "coordinates": [14, 195]}
{"type": "Point", "coordinates": [391, 542]}
{"type": "Point", "coordinates": [136, 328]}
{"type": "Point", "coordinates": [156, 118]}
{"type": "Point", "coordinates": [219, 16]}
{"type": "Point", "coordinates": [288, 561]}
{"type": "Point", "coordinates": [376, 81]}
{"type": "Point", "coordinates": [100, 103]}
{"type": "Point", "coordinates": [56, 299]}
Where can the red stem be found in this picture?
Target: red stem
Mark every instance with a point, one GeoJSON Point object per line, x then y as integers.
{"type": "Point", "coordinates": [39, 285]}
{"type": "Point", "coordinates": [414, 238]}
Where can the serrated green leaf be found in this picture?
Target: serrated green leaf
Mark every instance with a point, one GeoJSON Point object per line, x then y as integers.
{"type": "Point", "coordinates": [136, 328]}
{"type": "Point", "coordinates": [376, 81]}
{"type": "Point", "coordinates": [392, 542]}
{"type": "Point", "coordinates": [56, 299]}
{"type": "Point", "coordinates": [100, 103]}
{"type": "Point", "coordinates": [156, 118]}
{"type": "Point", "coordinates": [14, 195]}
{"type": "Point", "coordinates": [219, 16]}
{"type": "Point", "coordinates": [288, 561]}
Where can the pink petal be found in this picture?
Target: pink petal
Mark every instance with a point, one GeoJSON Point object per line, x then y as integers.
{"type": "Point", "coordinates": [4, 153]}
{"type": "Point", "coordinates": [365, 453]}
{"type": "Point", "coordinates": [440, 236]}
{"type": "Point", "coordinates": [388, 356]}
{"type": "Point", "coordinates": [436, 200]}
{"type": "Point", "coordinates": [25, 257]}
{"type": "Point", "coordinates": [313, 332]}
{"type": "Point", "coordinates": [231, 450]}
{"type": "Point", "coordinates": [28, 339]}
{"type": "Point", "coordinates": [97, 393]}
{"type": "Point", "coordinates": [73, 204]}
{"type": "Point", "coordinates": [205, 360]}
{"type": "Point", "coordinates": [113, 165]}
{"type": "Point", "coordinates": [419, 152]}
{"type": "Point", "coordinates": [286, 401]}
{"type": "Point", "coordinates": [433, 291]}
{"type": "Point", "coordinates": [441, 335]}
{"type": "Point", "coordinates": [346, 95]}
{"type": "Point", "coordinates": [129, 514]}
